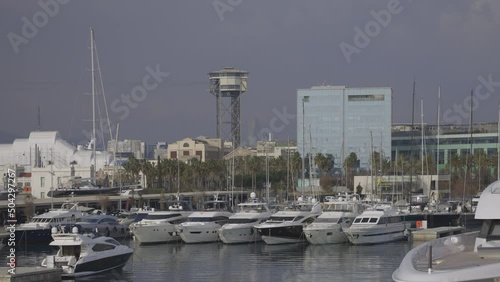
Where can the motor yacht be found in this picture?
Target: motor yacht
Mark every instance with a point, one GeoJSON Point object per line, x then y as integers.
{"type": "Point", "coordinates": [381, 224]}
{"type": "Point", "coordinates": [472, 256]}
{"type": "Point", "coordinates": [104, 225]}
{"type": "Point", "coordinates": [83, 255]}
{"type": "Point", "coordinates": [287, 226]}
{"type": "Point", "coordinates": [202, 226]}
{"type": "Point", "coordinates": [337, 213]}
{"type": "Point", "coordinates": [159, 226]}
{"type": "Point", "coordinates": [38, 229]}
{"type": "Point", "coordinates": [240, 226]}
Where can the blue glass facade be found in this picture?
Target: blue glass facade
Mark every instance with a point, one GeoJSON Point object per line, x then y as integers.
{"type": "Point", "coordinates": [338, 120]}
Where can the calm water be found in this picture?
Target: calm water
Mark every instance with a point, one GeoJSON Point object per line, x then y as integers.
{"type": "Point", "coordinates": [247, 262]}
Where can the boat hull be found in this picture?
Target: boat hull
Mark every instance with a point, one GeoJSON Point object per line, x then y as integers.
{"type": "Point", "coordinates": [376, 235]}
{"type": "Point", "coordinates": [199, 233]}
{"type": "Point", "coordinates": [93, 191]}
{"type": "Point", "coordinates": [95, 266]}
{"type": "Point", "coordinates": [282, 235]}
{"type": "Point", "coordinates": [238, 234]}
{"type": "Point", "coordinates": [325, 235]}
{"type": "Point", "coordinates": [33, 235]}
{"type": "Point", "coordinates": [155, 233]}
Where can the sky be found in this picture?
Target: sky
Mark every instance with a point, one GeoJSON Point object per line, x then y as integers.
{"type": "Point", "coordinates": [166, 48]}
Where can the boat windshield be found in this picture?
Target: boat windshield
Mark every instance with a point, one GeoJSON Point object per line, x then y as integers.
{"type": "Point", "coordinates": [241, 220]}
{"type": "Point", "coordinates": [327, 220]}
{"type": "Point", "coordinates": [365, 220]}
{"type": "Point", "coordinates": [90, 220]}
{"type": "Point", "coordinates": [161, 216]}
{"type": "Point", "coordinates": [205, 219]}
{"type": "Point", "coordinates": [281, 218]}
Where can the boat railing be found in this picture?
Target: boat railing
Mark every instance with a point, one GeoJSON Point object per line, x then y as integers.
{"type": "Point", "coordinates": [441, 248]}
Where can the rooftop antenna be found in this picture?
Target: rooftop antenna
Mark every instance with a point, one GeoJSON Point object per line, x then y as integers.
{"type": "Point", "coordinates": [39, 122]}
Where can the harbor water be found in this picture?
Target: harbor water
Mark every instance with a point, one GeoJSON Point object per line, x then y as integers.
{"type": "Point", "coordinates": [245, 262]}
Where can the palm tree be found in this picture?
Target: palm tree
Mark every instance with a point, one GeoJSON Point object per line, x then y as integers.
{"type": "Point", "coordinates": [132, 168]}
{"type": "Point", "coordinates": [350, 163]}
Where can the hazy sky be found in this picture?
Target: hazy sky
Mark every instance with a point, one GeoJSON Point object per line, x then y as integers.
{"type": "Point", "coordinates": [284, 45]}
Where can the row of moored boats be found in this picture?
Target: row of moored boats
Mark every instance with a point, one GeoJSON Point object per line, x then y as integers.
{"type": "Point", "coordinates": [335, 221]}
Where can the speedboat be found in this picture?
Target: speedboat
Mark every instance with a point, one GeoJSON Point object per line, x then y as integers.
{"type": "Point", "coordinates": [472, 256]}
{"type": "Point", "coordinates": [240, 226]}
{"type": "Point", "coordinates": [83, 255]}
{"type": "Point", "coordinates": [287, 226]}
{"type": "Point", "coordinates": [104, 225]}
{"type": "Point", "coordinates": [338, 213]}
{"type": "Point", "coordinates": [203, 226]}
{"type": "Point", "coordinates": [81, 186]}
{"type": "Point", "coordinates": [382, 224]}
{"type": "Point", "coordinates": [39, 227]}
{"type": "Point", "coordinates": [159, 226]}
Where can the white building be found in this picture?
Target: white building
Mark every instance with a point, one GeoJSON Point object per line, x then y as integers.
{"type": "Point", "coordinates": [136, 148]}
{"type": "Point", "coordinates": [272, 150]}
{"type": "Point", "coordinates": [50, 159]}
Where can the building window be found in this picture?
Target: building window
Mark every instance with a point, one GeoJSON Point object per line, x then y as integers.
{"type": "Point", "coordinates": [42, 195]}
{"type": "Point", "coordinates": [352, 98]}
{"type": "Point", "coordinates": [185, 145]}
{"type": "Point", "coordinates": [42, 182]}
{"type": "Point", "coordinates": [58, 181]}
{"type": "Point", "coordinates": [185, 153]}
{"type": "Point", "coordinates": [199, 153]}
{"type": "Point", "coordinates": [173, 155]}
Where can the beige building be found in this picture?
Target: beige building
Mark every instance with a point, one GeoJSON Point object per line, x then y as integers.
{"type": "Point", "coordinates": [201, 148]}
{"type": "Point", "coordinates": [272, 150]}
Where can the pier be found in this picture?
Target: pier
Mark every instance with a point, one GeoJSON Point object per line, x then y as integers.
{"type": "Point", "coordinates": [424, 235]}
{"type": "Point", "coordinates": [30, 274]}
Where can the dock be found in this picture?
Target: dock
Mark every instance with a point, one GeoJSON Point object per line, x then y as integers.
{"type": "Point", "coordinates": [424, 235]}
{"type": "Point", "coordinates": [30, 274]}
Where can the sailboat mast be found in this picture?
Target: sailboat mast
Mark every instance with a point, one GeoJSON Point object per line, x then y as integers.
{"type": "Point", "coordinates": [438, 134]}
{"type": "Point", "coordinates": [371, 162]}
{"type": "Point", "coordinates": [94, 139]}
{"type": "Point", "coordinates": [412, 144]}
{"type": "Point", "coordinates": [422, 137]}
{"type": "Point", "coordinates": [498, 144]}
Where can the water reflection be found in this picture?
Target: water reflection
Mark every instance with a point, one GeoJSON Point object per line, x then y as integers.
{"type": "Point", "coordinates": [246, 262]}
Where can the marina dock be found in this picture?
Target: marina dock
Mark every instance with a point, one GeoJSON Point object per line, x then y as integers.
{"type": "Point", "coordinates": [424, 235]}
{"type": "Point", "coordinates": [31, 274]}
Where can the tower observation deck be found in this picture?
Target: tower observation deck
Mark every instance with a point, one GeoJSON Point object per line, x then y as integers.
{"type": "Point", "coordinates": [227, 85]}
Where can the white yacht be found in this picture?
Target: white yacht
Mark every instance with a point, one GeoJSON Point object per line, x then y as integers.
{"type": "Point", "coordinates": [240, 226]}
{"type": "Point", "coordinates": [39, 228]}
{"type": "Point", "coordinates": [473, 256]}
{"type": "Point", "coordinates": [287, 226]}
{"type": "Point", "coordinates": [381, 224]}
{"type": "Point", "coordinates": [203, 226]}
{"type": "Point", "coordinates": [82, 255]}
{"type": "Point", "coordinates": [159, 226]}
{"type": "Point", "coordinates": [337, 214]}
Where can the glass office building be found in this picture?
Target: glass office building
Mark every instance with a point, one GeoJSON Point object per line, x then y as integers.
{"type": "Point", "coordinates": [338, 120]}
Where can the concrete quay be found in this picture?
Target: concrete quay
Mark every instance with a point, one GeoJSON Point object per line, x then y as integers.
{"type": "Point", "coordinates": [30, 274]}
{"type": "Point", "coordinates": [424, 235]}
